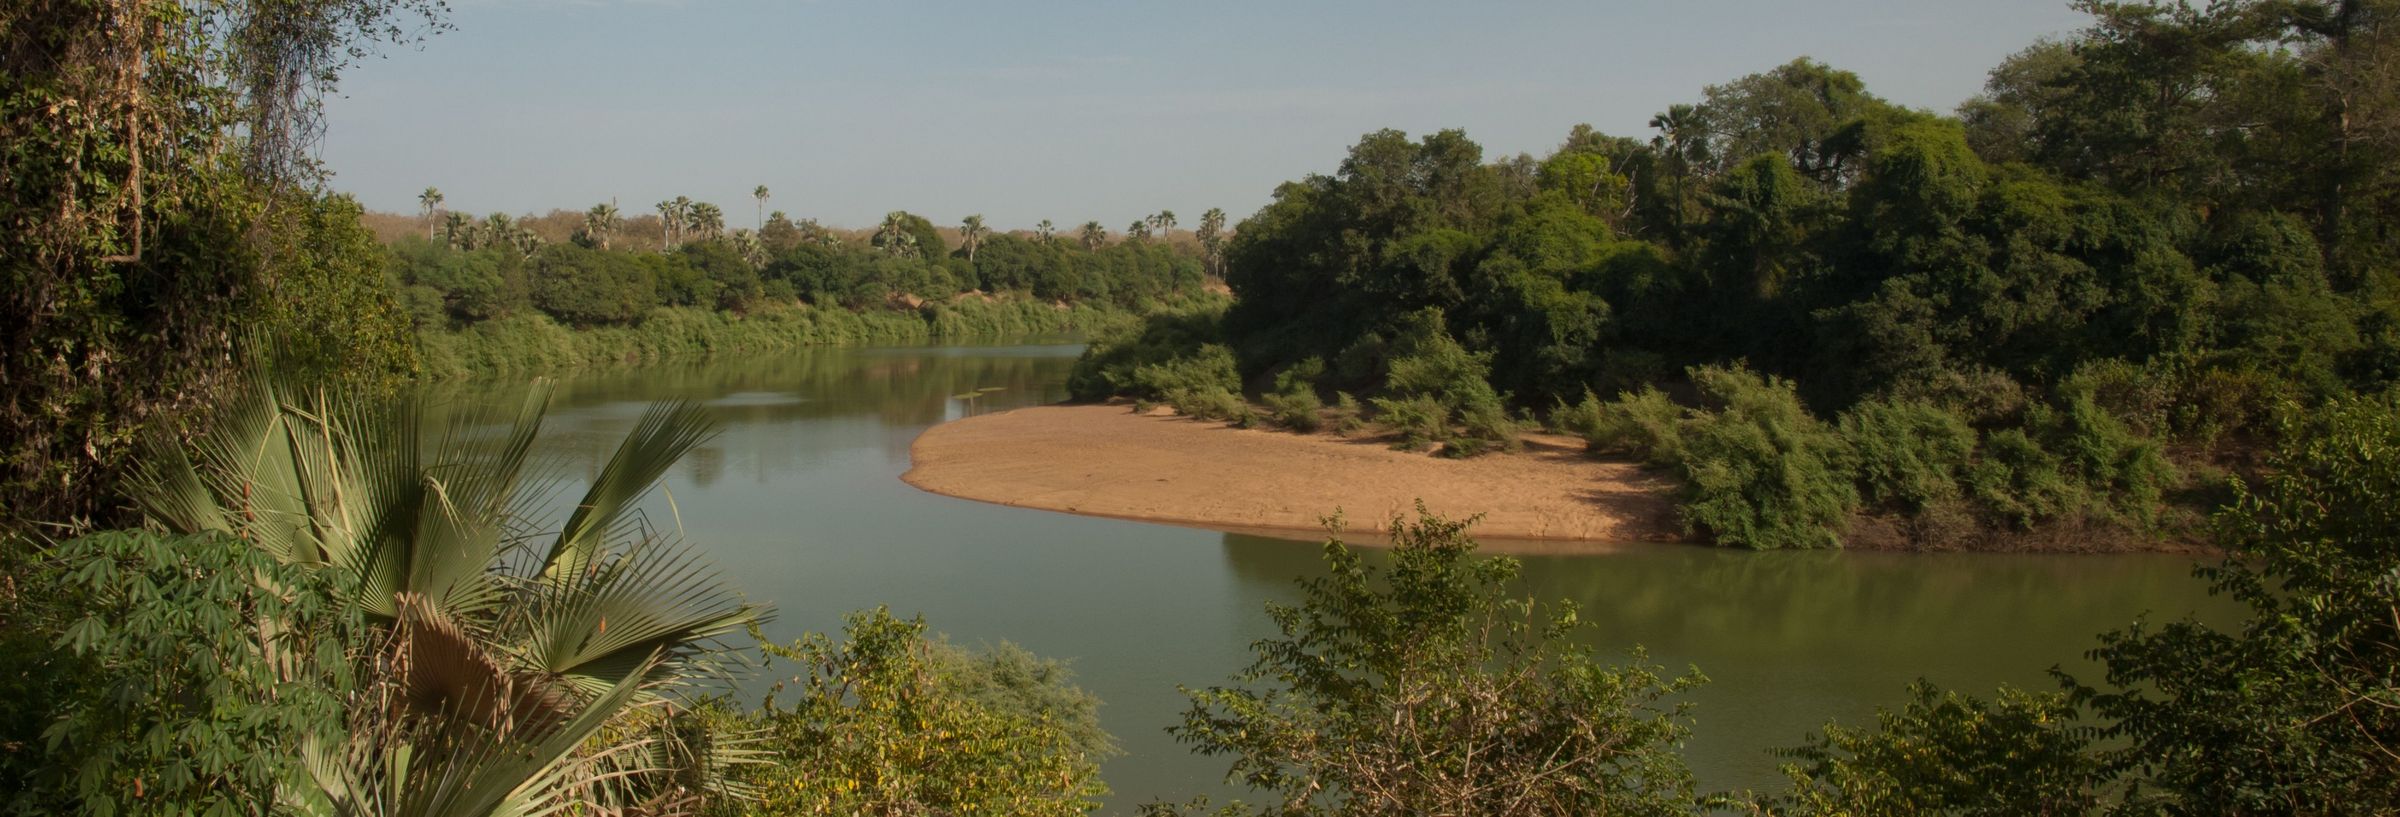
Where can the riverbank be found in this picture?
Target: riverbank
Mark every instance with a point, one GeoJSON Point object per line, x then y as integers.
{"type": "Point", "coordinates": [1105, 460]}
{"type": "Point", "coordinates": [536, 343]}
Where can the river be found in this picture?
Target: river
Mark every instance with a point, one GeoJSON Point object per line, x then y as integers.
{"type": "Point", "coordinates": [800, 502]}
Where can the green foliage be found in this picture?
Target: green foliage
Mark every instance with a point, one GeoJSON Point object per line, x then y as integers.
{"type": "Point", "coordinates": [2299, 708]}
{"type": "Point", "coordinates": [1760, 472]}
{"type": "Point", "coordinates": [1111, 363]}
{"type": "Point", "coordinates": [1948, 754]}
{"type": "Point", "coordinates": [1645, 425]}
{"type": "Point", "coordinates": [888, 722]}
{"type": "Point", "coordinates": [1906, 456]}
{"type": "Point", "coordinates": [1424, 688]}
{"type": "Point", "coordinates": [169, 675]}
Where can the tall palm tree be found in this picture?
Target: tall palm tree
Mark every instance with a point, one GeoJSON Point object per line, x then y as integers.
{"type": "Point", "coordinates": [1212, 240]}
{"type": "Point", "coordinates": [1165, 222]}
{"type": "Point", "coordinates": [971, 232]}
{"type": "Point", "coordinates": [1094, 235]}
{"type": "Point", "coordinates": [1139, 230]}
{"type": "Point", "coordinates": [428, 203]}
{"type": "Point", "coordinates": [706, 221]}
{"type": "Point", "coordinates": [761, 195]}
{"type": "Point", "coordinates": [524, 668]}
{"type": "Point", "coordinates": [668, 219]}
{"type": "Point", "coordinates": [600, 222]}
{"type": "Point", "coordinates": [1683, 138]}
{"type": "Point", "coordinates": [1045, 230]}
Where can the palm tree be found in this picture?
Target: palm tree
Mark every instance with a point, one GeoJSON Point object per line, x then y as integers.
{"type": "Point", "coordinates": [523, 668]}
{"type": "Point", "coordinates": [971, 232]}
{"type": "Point", "coordinates": [428, 203]}
{"type": "Point", "coordinates": [1045, 230]}
{"type": "Point", "coordinates": [1094, 235]}
{"type": "Point", "coordinates": [893, 235]}
{"type": "Point", "coordinates": [459, 230]}
{"type": "Point", "coordinates": [1165, 222]}
{"type": "Point", "coordinates": [707, 221]}
{"type": "Point", "coordinates": [1138, 230]}
{"type": "Point", "coordinates": [600, 222]}
{"type": "Point", "coordinates": [1683, 139]}
{"type": "Point", "coordinates": [761, 195]}
{"type": "Point", "coordinates": [1212, 240]}
{"type": "Point", "coordinates": [667, 216]}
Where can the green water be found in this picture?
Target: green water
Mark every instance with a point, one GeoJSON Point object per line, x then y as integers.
{"type": "Point", "coordinates": [800, 502]}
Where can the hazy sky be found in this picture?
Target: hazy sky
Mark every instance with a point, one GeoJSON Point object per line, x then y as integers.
{"type": "Point", "coordinates": [1070, 111]}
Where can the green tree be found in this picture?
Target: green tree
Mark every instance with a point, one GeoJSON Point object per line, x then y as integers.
{"type": "Point", "coordinates": [971, 233]}
{"type": "Point", "coordinates": [600, 223]}
{"type": "Point", "coordinates": [761, 195]}
{"type": "Point", "coordinates": [891, 722]}
{"type": "Point", "coordinates": [1094, 236]}
{"type": "Point", "coordinates": [1424, 688]}
{"type": "Point", "coordinates": [429, 203]}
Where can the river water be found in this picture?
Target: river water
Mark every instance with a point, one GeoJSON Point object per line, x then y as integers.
{"type": "Point", "coordinates": [799, 501]}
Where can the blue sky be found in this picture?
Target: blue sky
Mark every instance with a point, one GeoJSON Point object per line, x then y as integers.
{"type": "Point", "coordinates": [1069, 111]}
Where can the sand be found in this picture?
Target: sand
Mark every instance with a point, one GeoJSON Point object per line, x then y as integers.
{"type": "Point", "coordinates": [1106, 460]}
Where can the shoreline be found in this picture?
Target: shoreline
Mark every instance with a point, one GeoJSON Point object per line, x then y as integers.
{"type": "Point", "coordinates": [1108, 461]}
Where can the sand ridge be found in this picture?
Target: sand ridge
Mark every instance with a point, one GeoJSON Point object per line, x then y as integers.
{"type": "Point", "coordinates": [1106, 460]}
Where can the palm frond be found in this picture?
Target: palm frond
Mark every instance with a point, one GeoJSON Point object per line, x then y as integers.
{"type": "Point", "coordinates": [665, 433]}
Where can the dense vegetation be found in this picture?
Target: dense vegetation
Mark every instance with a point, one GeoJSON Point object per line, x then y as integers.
{"type": "Point", "coordinates": [280, 585]}
{"type": "Point", "coordinates": [2088, 289]}
{"type": "Point", "coordinates": [492, 295]}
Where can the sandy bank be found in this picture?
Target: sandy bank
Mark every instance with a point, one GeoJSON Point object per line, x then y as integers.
{"type": "Point", "coordinates": [1109, 461]}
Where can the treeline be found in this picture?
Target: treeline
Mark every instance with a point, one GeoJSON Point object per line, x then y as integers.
{"type": "Point", "coordinates": [491, 294]}
{"type": "Point", "coordinates": [2053, 310]}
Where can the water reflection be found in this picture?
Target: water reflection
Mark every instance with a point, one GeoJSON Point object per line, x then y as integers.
{"type": "Point", "coordinates": [1790, 640]}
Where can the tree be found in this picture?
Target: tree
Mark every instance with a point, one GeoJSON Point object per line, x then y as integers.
{"type": "Point", "coordinates": [1139, 230]}
{"type": "Point", "coordinates": [601, 222]}
{"type": "Point", "coordinates": [1094, 235]}
{"type": "Point", "coordinates": [670, 220]}
{"type": "Point", "coordinates": [891, 722]}
{"type": "Point", "coordinates": [428, 204]}
{"type": "Point", "coordinates": [1045, 230]}
{"type": "Point", "coordinates": [971, 232]}
{"type": "Point", "coordinates": [1164, 221]}
{"type": "Point", "coordinates": [893, 236]}
{"type": "Point", "coordinates": [761, 195]}
{"type": "Point", "coordinates": [1212, 240]}
{"type": "Point", "coordinates": [707, 221]}
{"type": "Point", "coordinates": [1425, 689]}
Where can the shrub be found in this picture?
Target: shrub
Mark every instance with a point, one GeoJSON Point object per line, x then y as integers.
{"type": "Point", "coordinates": [1299, 411]}
{"type": "Point", "coordinates": [1210, 368]}
{"type": "Point", "coordinates": [1907, 456]}
{"type": "Point", "coordinates": [1425, 689]}
{"type": "Point", "coordinates": [1418, 422]}
{"type": "Point", "coordinates": [1945, 753]}
{"type": "Point", "coordinates": [1211, 403]}
{"type": "Point", "coordinates": [2019, 482]}
{"type": "Point", "coordinates": [1646, 425]}
{"type": "Point", "coordinates": [1108, 366]}
{"type": "Point", "coordinates": [889, 722]}
{"type": "Point", "coordinates": [1761, 472]}
{"type": "Point", "coordinates": [1348, 416]}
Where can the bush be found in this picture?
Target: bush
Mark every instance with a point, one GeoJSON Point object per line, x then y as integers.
{"type": "Point", "coordinates": [1108, 366]}
{"type": "Point", "coordinates": [1209, 368]}
{"type": "Point", "coordinates": [1299, 411]}
{"type": "Point", "coordinates": [1945, 753]}
{"type": "Point", "coordinates": [1646, 425]}
{"type": "Point", "coordinates": [1348, 416]}
{"type": "Point", "coordinates": [1211, 403]}
{"type": "Point", "coordinates": [156, 674]}
{"type": "Point", "coordinates": [1425, 689]}
{"type": "Point", "coordinates": [889, 722]}
{"type": "Point", "coordinates": [1907, 456]}
{"type": "Point", "coordinates": [1418, 422]}
{"type": "Point", "coordinates": [1761, 472]}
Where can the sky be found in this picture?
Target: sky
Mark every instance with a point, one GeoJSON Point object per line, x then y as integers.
{"type": "Point", "coordinates": [1068, 111]}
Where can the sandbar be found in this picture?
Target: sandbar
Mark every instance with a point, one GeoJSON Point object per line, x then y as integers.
{"type": "Point", "coordinates": [1107, 460]}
